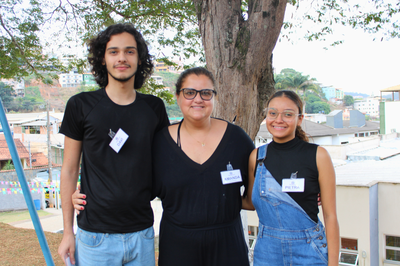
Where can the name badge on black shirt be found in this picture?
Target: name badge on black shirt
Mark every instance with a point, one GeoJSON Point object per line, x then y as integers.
{"type": "Point", "coordinates": [118, 140]}
{"type": "Point", "coordinates": [293, 184]}
{"type": "Point", "coordinates": [231, 176]}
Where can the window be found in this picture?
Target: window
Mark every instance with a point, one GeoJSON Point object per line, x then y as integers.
{"type": "Point", "coordinates": [253, 232]}
{"type": "Point", "coordinates": [34, 130]}
{"type": "Point", "coordinates": [348, 254]}
{"type": "Point", "coordinates": [393, 248]}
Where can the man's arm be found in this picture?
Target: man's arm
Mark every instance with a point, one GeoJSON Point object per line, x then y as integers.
{"type": "Point", "coordinates": [69, 178]}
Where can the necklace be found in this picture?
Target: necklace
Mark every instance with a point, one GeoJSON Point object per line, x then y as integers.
{"type": "Point", "coordinates": [202, 143]}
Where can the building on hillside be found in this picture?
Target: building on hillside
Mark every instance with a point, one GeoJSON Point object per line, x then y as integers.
{"type": "Point", "coordinates": [177, 68]}
{"type": "Point", "coordinates": [389, 111]}
{"type": "Point", "coordinates": [88, 79]}
{"type": "Point", "coordinates": [161, 66]}
{"type": "Point", "coordinates": [67, 59]}
{"type": "Point", "coordinates": [334, 93]}
{"type": "Point", "coordinates": [369, 106]}
{"type": "Point", "coordinates": [71, 79]}
{"type": "Point", "coordinates": [18, 86]}
{"type": "Point", "coordinates": [158, 80]}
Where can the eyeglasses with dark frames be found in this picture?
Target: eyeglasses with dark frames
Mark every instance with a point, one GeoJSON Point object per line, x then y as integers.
{"type": "Point", "coordinates": [205, 94]}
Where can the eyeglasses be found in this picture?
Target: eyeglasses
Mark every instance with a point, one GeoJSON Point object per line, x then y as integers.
{"type": "Point", "coordinates": [205, 94]}
{"type": "Point", "coordinates": [287, 116]}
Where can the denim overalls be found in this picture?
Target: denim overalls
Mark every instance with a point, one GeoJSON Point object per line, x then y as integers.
{"type": "Point", "coordinates": [287, 235]}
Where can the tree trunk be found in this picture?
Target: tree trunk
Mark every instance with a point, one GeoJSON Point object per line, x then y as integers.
{"type": "Point", "coordinates": [239, 54]}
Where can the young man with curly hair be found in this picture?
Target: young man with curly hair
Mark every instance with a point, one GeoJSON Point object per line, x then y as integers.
{"type": "Point", "coordinates": [112, 128]}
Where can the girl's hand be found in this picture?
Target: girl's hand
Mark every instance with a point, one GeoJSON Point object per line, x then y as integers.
{"type": "Point", "coordinates": [78, 200]}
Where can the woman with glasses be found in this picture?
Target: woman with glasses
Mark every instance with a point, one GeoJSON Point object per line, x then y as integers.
{"type": "Point", "coordinates": [287, 175]}
{"type": "Point", "coordinates": [199, 166]}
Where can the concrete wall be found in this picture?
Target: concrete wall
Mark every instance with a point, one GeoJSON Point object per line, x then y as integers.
{"type": "Point", "coordinates": [30, 174]}
{"type": "Point", "coordinates": [389, 216]}
{"type": "Point", "coordinates": [16, 200]}
{"type": "Point", "coordinates": [367, 213]}
{"type": "Point", "coordinates": [353, 216]}
{"type": "Point", "coordinates": [390, 118]}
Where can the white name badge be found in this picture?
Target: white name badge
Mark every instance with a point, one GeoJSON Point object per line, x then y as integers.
{"type": "Point", "coordinates": [119, 140]}
{"type": "Point", "coordinates": [293, 185]}
{"type": "Point", "coordinates": [232, 176]}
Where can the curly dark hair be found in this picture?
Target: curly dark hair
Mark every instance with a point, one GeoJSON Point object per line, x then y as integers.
{"type": "Point", "coordinates": [296, 99]}
{"type": "Point", "coordinates": [195, 70]}
{"type": "Point", "coordinates": [97, 48]}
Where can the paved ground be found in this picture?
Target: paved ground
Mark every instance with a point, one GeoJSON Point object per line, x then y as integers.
{"type": "Point", "coordinates": [54, 222]}
{"type": "Point", "coordinates": [50, 223]}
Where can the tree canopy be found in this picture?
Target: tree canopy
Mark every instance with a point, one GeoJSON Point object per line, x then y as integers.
{"type": "Point", "coordinates": [348, 100]}
{"type": "Point", "coordinates": [237, 37]}
{"type": "Point", "coordinates": [7, 93]}
{"type": "Point", "coordinates": [27, 29]}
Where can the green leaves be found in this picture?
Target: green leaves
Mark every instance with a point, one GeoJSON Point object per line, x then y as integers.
{"type": "Point", "coordinates": [318, 19]}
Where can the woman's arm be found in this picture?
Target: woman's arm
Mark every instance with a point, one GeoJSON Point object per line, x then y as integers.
{"type": "Point", "coordinates": [247, 204]}
{"type": "Point", "coordinates": [327, 185]}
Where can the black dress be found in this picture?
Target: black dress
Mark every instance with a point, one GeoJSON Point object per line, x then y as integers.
{"type": "Point", "coordinates": [201, 222]}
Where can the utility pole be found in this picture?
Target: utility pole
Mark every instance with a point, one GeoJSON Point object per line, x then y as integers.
{"type": "Point", "coordinates": [51, 199]}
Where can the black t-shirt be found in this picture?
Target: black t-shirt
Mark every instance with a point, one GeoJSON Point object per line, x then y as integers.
{"type": "Point", "coordinates": [296, 156]}
{"type": "Point", "coordinates": [192, 194]}
{"type": "Point", "coordinates": [117, 185]}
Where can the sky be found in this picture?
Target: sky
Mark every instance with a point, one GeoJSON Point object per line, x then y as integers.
{"type": "Point", "coordinates": [359, 64]}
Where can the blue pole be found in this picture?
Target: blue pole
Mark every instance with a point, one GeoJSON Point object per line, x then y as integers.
{"type": "Point", "coordinates": [24, 186]}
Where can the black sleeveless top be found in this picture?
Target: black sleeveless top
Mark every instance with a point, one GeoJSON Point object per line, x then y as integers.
{"type": "Point", "coordinates": [299, 156]}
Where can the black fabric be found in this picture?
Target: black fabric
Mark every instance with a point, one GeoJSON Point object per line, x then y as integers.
{"type": "Point", "coordinates": [296, 155]}
{"type": "Point", "coordinates": [117, 185]}
{"type": "Point", "coordinates": [200, 214]}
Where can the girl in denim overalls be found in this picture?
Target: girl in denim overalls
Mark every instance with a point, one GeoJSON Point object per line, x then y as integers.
{"type": "Point", "coordinates": [290, 232]}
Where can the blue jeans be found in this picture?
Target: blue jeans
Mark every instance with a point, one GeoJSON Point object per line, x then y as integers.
{"type": "Point", "coordinates": [287, 235]}
{"type": "Point", "coordinates": [130, 249]}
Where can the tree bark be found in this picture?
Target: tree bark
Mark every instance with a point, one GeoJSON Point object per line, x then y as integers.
{"type": "Point", "coordinates": [239, 54]}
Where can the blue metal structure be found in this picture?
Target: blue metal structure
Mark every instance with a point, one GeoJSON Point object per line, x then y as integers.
{"type": "Point", "coordinates": [24, 187]}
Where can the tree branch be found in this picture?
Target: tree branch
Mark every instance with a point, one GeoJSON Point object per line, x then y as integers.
{"type": "Point", "coordinates": [14, 41]}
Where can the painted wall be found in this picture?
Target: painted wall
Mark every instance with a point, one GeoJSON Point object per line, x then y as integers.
{"type": "Point", "coordinates": [390, 121]}
{"type": "Point", "coordinates": [389, 216]}
{"type": "Point", "coordinates": [366, 213]}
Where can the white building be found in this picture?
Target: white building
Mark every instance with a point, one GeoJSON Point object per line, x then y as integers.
{"type": "Point", "coordinates": [158, 80]}
{"type": "Point", "coordinates": [389, 116]}
{"type": "Point", "coordinates": [369, 106]}
{"type": "Point", "coordinates": [71, 79]}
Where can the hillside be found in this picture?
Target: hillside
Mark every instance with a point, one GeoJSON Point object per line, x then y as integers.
{"type": "Point", "coordinates": [54, 93]}
{"type": "Point", "coordinates": [169, 79]}
{"type": "Point", "coordinates": [58, 96]}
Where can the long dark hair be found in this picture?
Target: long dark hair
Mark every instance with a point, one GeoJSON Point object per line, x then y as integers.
{"type": "Point", "coordinates": [296, 99]}
{"type": "Point", "coordinates": [97, 48]}
{"type": "Point", "coordinates": [195, 70]}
